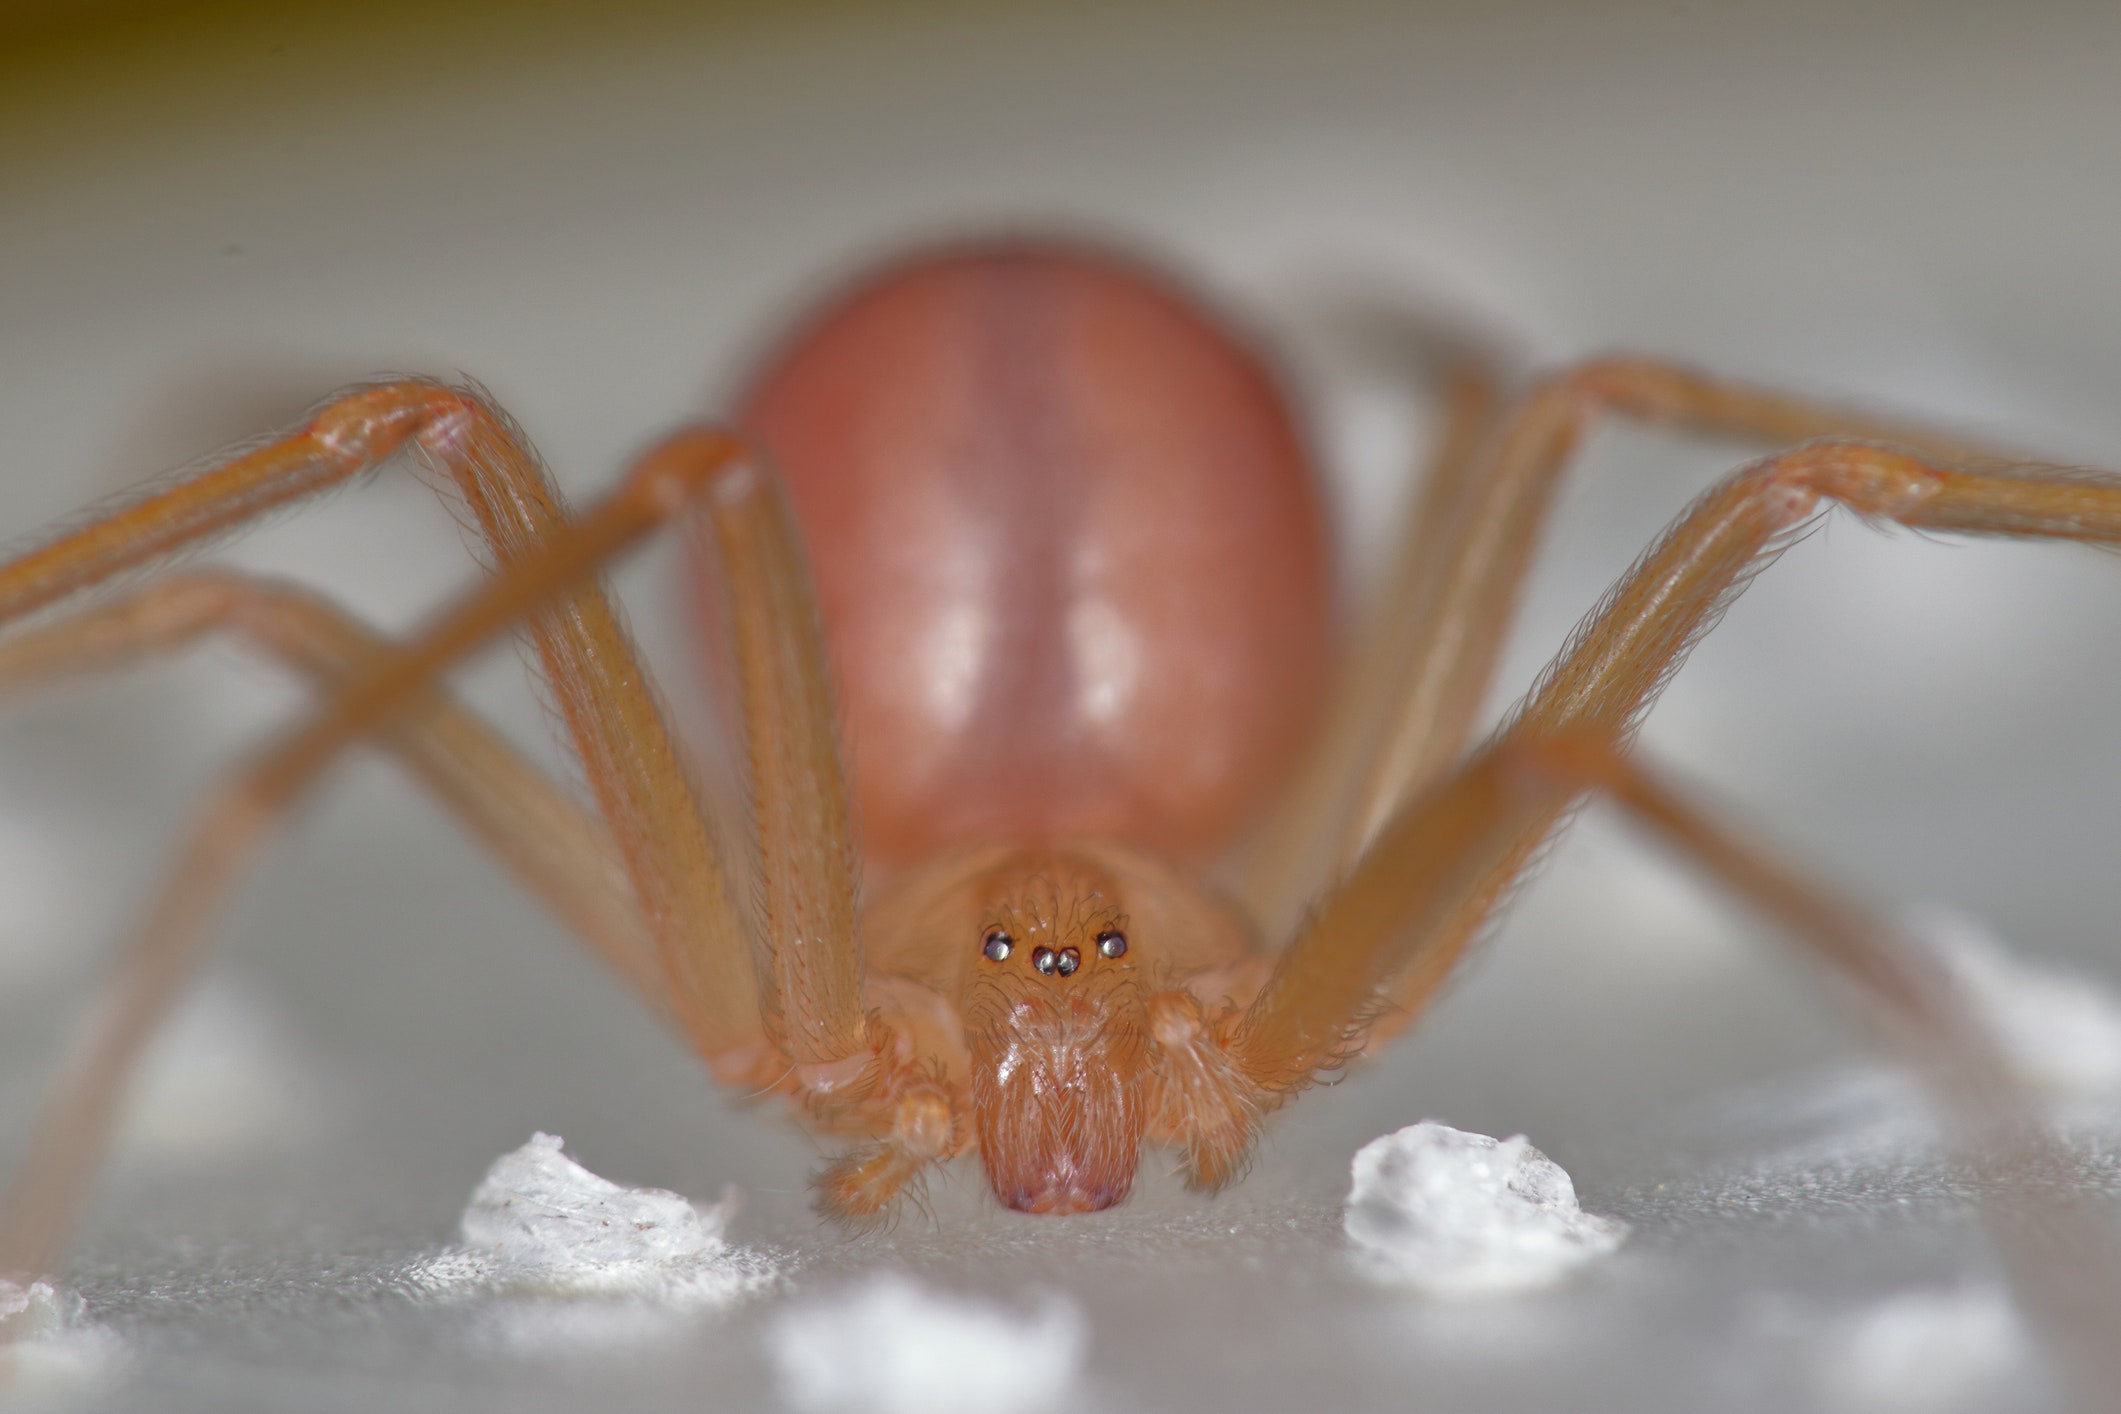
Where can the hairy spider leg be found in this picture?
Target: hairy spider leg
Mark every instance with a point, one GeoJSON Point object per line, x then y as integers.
{"type": "Point", "coordinates": [1464, 611]}
{"type": "Point", "coordinates": [1622, 654]}
{"type": "Point", "coordinates": [68, 1138]}
{"type": "Point", "coordinates": [1382, 943]}
{"type": "Point", "coordinates": [1280, 862]}
{"type": "Point", "coordinates": [603, 695]}
{"type": "Point", "coordinates": [1467, 549]}
{"type": "Point", "coordinates": [538, 832]}
{"type": "Point", "coordinates": [814, 1012]}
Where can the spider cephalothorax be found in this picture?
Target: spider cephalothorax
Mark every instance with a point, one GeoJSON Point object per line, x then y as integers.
{"type": "Point", "coordinates": [1060, 1027]}
{"type": "Point", "coordinates": [1056, 1032]}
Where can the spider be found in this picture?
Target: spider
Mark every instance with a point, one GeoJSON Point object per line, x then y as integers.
{"type": "Point", "coordinates": [1067, 619]}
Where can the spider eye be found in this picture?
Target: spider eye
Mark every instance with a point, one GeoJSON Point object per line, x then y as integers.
{"type": "Point", "coordinates": [1068, 961]}
{"type": "Point", "coordinates": [1045, 960]}
{"type": "Point", "coordinates": [1112, 943]}
{"type": "Point", "coordinates": [998, 945]}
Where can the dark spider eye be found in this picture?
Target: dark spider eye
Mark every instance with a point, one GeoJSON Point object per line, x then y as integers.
{"type": "Point", "coordinates": [1112, 943]}
{"type": "Point", "coordinates": [1045, 960]}
{"type": "Point", "coordinates": [1070, 959]}
{"type": "Point", "coordinates": [998, 946]}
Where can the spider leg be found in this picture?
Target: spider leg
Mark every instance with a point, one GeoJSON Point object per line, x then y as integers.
{"type": "Point", "coordinates": [603, 695]}
{"type": "Point", "coordinates": [1443, 850]}
{"type": "Point", "coordinates": [863, 1186]}
{"type": "Point", "coordinates": [352, 432]}
{"type": "Point", "coordinates": [543, 837]}
{"type": "Point", "coordinates": [1385, 939]}
{"type": "Point", "coordinates": [1620, 656]}
{"type": "Point", "coordinates": [850, 1067]}
{"type": "Point", "coordinates": [1455, 603]}
{"type": "Point", "coordinates": [67, 1140]}
{"type": "Point", "coordinates": [1283, 860]}
{"type": "Point", "coordinates": [813, 1008]}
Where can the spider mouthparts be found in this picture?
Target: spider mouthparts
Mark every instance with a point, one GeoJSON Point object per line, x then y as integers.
{"type": "Point", "coordinates": [1066, 1198]}
{"type": "Point", "coordinates": [1057, 1108]}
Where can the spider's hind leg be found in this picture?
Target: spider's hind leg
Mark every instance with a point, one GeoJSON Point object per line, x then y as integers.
{"type": "Point", "coordinates": [551, 845]}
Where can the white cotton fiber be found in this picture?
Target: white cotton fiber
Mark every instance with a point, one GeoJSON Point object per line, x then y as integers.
{"type": "Point", "coordinates": [537, 1208]}
{"type": "Point", "coordinates": [50, 1344]}
{"type": "Point", "coordinates": [540, 1223]}
{"type": "Point", "coordinates": [1459, 1214]}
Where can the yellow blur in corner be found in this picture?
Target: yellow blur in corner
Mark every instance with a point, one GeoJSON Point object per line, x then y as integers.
{"type": "Point", "coordinates": [77, 76]}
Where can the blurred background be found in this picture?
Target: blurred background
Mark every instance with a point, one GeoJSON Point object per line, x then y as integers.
{"type": "Point", "coordinates": [211, 215]}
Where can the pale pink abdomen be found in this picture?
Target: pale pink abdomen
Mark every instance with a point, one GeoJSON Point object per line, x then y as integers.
{"type": "Point", "coordinates": [1068, 547]}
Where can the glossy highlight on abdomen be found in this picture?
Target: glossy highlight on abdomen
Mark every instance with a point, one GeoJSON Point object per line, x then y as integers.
{"type": "Point", "coordinates": [1068, 548]}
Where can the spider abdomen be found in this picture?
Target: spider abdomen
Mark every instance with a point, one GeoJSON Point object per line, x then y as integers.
{"type": "Point", "coordinates": [1068, 548]}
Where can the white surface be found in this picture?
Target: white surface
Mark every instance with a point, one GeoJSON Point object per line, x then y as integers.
{"type": "Point", "coordinates": [894, 1346]}
{"type": "Point", "coordinates": [224, 1078]}
{"type": "Point", "coordinates": [1927, 1351]}
{"type": "Point", "coordinates": [1459, 1214]}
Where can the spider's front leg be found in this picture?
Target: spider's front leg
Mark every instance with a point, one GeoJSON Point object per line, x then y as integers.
{"type": "Point", "coordinates": [851, 1069]}
{"type": "Point", "coordinates": [603, 695]}
{"type": "Point", "coordinates": [810, 962]}
{"type": "Point", "coordinates": [547, 563]}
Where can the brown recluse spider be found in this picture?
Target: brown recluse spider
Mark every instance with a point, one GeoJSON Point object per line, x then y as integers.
{"type": "Point", "coordinates": [1066, 563]}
